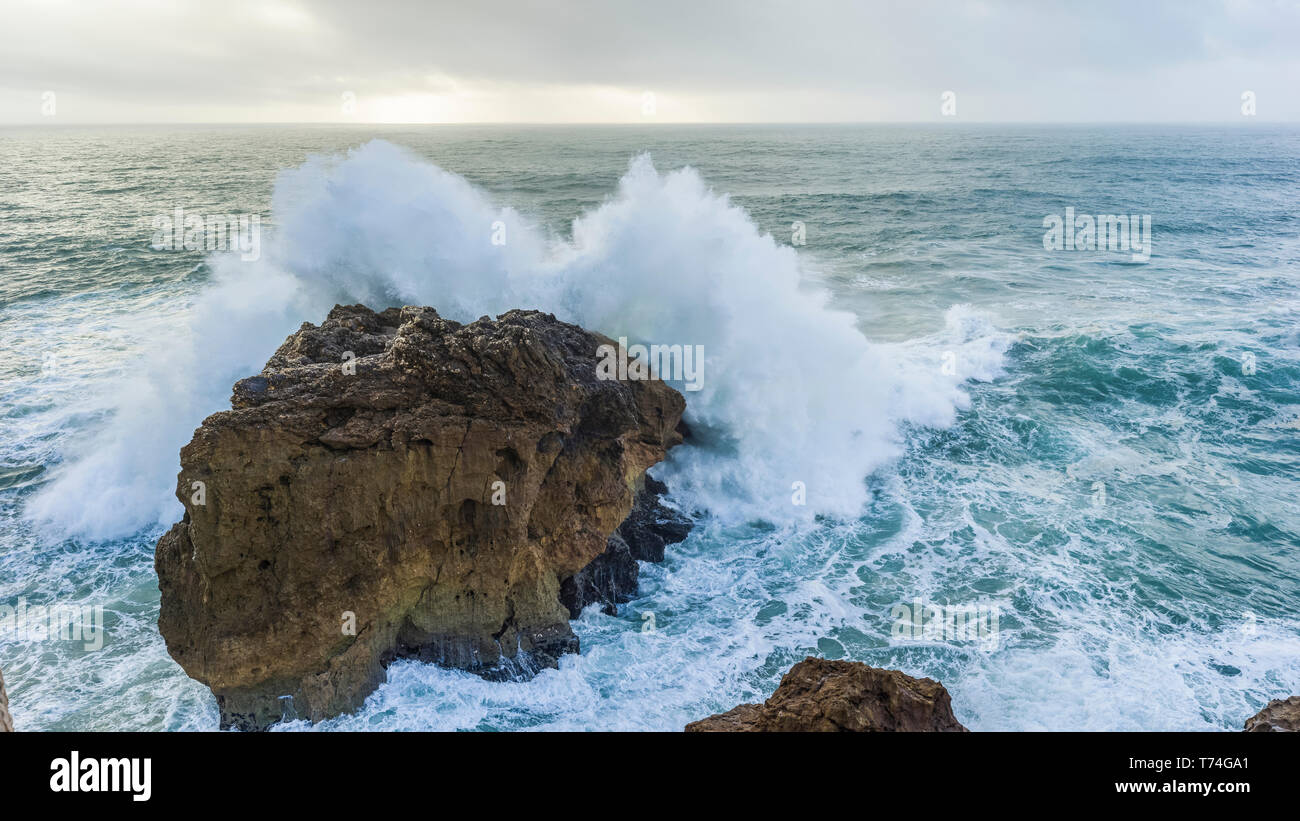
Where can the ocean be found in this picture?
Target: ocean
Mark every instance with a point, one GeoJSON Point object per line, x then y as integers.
{"type": "Point", "coordinates": [913, 397]}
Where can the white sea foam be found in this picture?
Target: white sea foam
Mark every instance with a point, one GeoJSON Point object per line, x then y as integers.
{"type": "Point", "coordinates": [793, 391]}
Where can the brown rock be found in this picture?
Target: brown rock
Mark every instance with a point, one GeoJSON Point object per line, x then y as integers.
{"type": "Point", "coordinates": [6, 720]}
{"type": "Point", "coordinates": [822, 695]}
{"type": "Point", "coordinates": [1279, 716]}
{"type": "Point", "coordinates": [359, 475]}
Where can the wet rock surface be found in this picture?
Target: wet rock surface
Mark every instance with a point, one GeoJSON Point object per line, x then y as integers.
{"type": "Point", "coordinates": [612, 578]}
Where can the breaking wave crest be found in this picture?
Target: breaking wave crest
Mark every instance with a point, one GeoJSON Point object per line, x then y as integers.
{"type": "Point", "coordinates": [792, 391]}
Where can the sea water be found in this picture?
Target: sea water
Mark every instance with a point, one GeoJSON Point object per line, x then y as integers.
{"type": "Point", "coordinates": [914, 402]}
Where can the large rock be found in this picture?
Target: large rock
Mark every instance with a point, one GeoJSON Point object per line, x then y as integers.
{"type": "Point", "coordinates": [822, 695]}
{"type": "Point", "coordinates": [1278, 716]}
{"type": "Point", "coordinates": [436, 483]}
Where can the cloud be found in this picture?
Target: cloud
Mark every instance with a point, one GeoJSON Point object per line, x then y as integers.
{"type": "Point", "coordinates": [510, 60]}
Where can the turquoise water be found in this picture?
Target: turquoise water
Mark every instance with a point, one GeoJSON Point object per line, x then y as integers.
{"type": "Point", "coordinates": [1109, 459]}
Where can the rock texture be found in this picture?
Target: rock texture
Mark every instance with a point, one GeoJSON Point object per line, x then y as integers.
{"type": "Point", "coordinates": [6, 720]}
{"type": "Point", "coordinates": [611, 579]}
{"type": "Point", "coordinates": [822, 695]}
{"type": "Point", "coordinates": [1278, 716]}
{"type": "Point", "coordinates": [437, 484]}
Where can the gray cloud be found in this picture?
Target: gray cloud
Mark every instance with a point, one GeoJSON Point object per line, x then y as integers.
{"type": "Point", "coordinates": [1008, 60]}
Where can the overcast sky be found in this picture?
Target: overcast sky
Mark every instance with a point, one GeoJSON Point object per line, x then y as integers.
{"type": "Point", "coordinates": [646, 60]}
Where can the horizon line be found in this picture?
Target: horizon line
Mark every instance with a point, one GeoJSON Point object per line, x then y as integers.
{"type": "Point", "coordinates": [946, 122]}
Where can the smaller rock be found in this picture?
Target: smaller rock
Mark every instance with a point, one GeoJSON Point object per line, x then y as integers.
{"type": "Point", "coordinates": [1280, 716]}
{"type": "Point", "coordinates": [744, 718]}
{"type": "Point", "coordinates": [824, 695]}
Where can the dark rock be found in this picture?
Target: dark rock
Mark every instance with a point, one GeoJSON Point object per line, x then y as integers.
{"type": "Point", "coordinates": [612, 578]}
{"type": "Point", "coordinates": [650, 526]}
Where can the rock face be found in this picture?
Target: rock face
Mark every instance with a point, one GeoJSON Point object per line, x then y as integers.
{"type": "Point", "coordinates": [821, 695]}
{"type": "Point", "coordinates": [6, 720]}
{"type": "Point", "coordinates": [1279, 716]}
{"type": "Point", "coordinates": [397, 485]}
{"type": "Point", "coordinates": [611, 579]}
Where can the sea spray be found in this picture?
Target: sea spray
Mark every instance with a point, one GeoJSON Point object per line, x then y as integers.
{"type": "Point", "coordinates": [796, 392]}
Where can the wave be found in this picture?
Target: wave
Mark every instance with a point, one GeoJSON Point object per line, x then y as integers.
{"type": "Point", "coordinates": [792, 391]}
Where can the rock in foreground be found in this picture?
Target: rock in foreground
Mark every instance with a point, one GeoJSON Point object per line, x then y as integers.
{"type": "Point", "coordinates": [823, 695]}
{"type": "Point", "coordinates": [1279, 716]}
{"type": "Point", "coordinates": [6, 720]}
{"type": "Point", "coordinates": [397, 485]}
